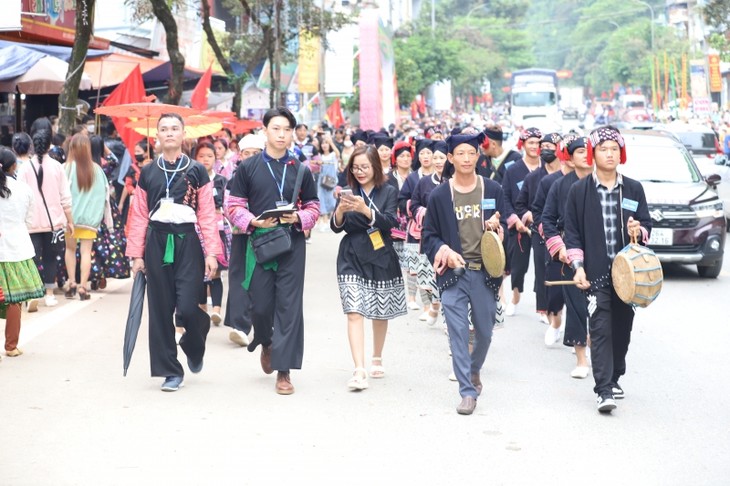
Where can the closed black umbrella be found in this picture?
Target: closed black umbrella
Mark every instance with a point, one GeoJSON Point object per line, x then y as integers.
{"type": "Point", "coordinates": [134, 318]}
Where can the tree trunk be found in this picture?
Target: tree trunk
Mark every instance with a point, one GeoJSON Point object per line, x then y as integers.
{"type": "Point", "coordinates": [70, 94]}
{"type": "Point", "coordinates": [164, 15]}
{"type": "Point", "coordinates": [222, 60]}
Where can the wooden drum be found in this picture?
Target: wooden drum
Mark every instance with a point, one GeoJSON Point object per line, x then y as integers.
{"type": "Point", "coordinates": [637, 275]}
{"type": "Point", "coordinates": [493, 255]}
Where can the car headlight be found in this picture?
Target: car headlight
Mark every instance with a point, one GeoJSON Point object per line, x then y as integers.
{"type": "Point", "coordinates": [709, 210]}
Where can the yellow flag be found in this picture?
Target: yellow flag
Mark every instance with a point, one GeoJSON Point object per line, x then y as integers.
{"type": "Point", "coordinates": [308, 62]}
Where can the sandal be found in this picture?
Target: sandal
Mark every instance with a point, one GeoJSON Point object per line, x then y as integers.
{"type": "Point", "coordinates": [377, 371]}
{"type": "Point", "coordinates": [84, 294]}
{"type": "Point", "coordinates": [70, 292]}
{"type": "Point", "coordinates": [359, 380]}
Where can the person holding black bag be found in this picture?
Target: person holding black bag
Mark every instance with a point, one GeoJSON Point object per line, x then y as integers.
{"type": "Point", "coordinates": [275, 251]}
{"type": "Point", "coordinates": [51, 213]}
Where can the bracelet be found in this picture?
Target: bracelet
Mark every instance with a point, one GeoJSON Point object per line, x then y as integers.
{"type": "Point", "coordinates": [577, 264]}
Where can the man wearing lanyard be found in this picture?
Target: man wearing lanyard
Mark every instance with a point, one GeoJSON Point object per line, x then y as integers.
{"type": "Point", "coordinates": [174, 195]}
{"type": "Point", "coordinates": [266, 181]}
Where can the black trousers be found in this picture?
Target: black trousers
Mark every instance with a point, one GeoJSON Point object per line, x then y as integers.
{"type": "Point", "coordinates": [46, 257]}
{"type": "Point", "coordinates": [277, 305]}
{"type": "Point", "coordinates": [610, 328]}
{"type": "Point", "coordinates": [539, 259]}
{"type": "Point", "coordinates": [554, 295]}
{"type": "Point", "coordinates": [518, 247]}
{"type": "Point", "coordinates": [576, 312]}
{"type": "Point", "coordinates": [238, 304]}
{"type": "Point", "coordinates": [175, 289]}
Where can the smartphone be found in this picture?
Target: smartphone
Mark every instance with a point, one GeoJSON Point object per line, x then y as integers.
{"type": "Point", "coordinates": [346, 192]}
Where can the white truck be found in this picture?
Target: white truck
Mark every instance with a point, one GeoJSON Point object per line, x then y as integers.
{"type": "Point", "coordinates": [571, 102]}
{"type": "Point", "coordinates": [534, 97]}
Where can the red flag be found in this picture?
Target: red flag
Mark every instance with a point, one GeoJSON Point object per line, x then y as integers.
{"type": "Point", "coordinates": [334, 113]}
{"type": "Point", "coordinates": [199, 98]}
{"type": "Point", "coordinates": [131, 90]}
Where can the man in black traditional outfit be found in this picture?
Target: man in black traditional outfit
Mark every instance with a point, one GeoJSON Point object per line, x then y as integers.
{"type": "Point", "coordinates": [267, 181]}
{"type": "Point", "coordinates": [602, 213]}
{"type": "Point", "coordinates": [174, 194]}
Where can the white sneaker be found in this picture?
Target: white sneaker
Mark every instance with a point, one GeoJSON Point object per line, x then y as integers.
{"type": "Point", "coordinates": [423, 317]}
{"type": "Point", "coordinates": [452, 376]}
{"type": "Point", "coordinates": [511, 309]}
{"type": "Point", "coordinates": [413, 306]}
{"type": "Point", "coordinates": [51, 301]}
{"type": "Point", "coordinates": [580, 372]}
{"type": "Point", "coordinates": [239, 337]}
{"type": "Point", "coordinates": [552, 336]}
{"type": "Point", "coordinates": [543, 318]}
{"type": "Point", "coordinates": [431, 320]}
{"type": "Point", "coordinates": [178, 335]}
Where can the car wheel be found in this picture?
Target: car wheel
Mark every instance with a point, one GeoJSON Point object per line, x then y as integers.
{"type": "Point", "coordinates": [711, 271]}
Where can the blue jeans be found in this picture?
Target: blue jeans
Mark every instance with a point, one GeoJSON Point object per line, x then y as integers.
{"type": "Point", "coordinates": [470, 289]}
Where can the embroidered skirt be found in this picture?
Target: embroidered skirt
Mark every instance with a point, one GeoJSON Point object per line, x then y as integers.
{"type": "Point", "coordinates": [20, 281]}
{"type": "Point", "coordinates": [373, 299]}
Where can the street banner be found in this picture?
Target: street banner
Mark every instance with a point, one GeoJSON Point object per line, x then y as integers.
{"type": "Point", "coordinates": [339, 61]}
{"type": "Point", "coordinates": [702, 106]}
{"type": "Point", "coordinates": [377, 73]}
{"type": "Point", "coordinates": [308, 62]}
{"type": "Point", "coordinates": [698, 79]}
{"type": "Point", "coordinates": [713, 63]}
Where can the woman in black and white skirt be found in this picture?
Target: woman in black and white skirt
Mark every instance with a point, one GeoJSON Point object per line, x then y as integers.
{"type": "Point", "coordinates": [368, 272]}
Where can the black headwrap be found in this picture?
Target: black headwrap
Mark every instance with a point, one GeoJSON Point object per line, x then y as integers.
{"type": "Point", "coordinates": [359, 136]}
{"type": "Point", "coordinates": [379, 139]}
{"type": "Point", "coordinates": [421, 144]}
{"type": "Point", "coordinates": [475, 140]}
{"type": "Point", "coordinates": [440, 146]}
{"type": "Point", "coordinates": [553, 138]}
{"type": "Point", "coordinates": [493, 134]}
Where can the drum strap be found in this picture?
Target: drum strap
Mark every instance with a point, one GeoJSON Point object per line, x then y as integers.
{"type": "Point", "coordinates": [621, 214]}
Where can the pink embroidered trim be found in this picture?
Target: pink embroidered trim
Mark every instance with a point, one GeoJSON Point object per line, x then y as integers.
{"type": "Point", "coordinates": [139, 219]}
{"type": "Point", "coordinates": [574, 254]}
{"type": "Point", "coordinates": [236, 210]}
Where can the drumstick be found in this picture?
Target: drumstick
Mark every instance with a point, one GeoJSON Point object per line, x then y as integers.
{"type": "Point", "coordinates": [553, 283]}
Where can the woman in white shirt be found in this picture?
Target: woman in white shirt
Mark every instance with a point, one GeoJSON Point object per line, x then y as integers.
{"type": "Point", "coordinates": [19, 278]}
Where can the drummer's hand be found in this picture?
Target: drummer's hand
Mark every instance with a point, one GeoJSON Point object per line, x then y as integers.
{"type": "Point", "coordinates": [455, 260]}
{"type": "Point", "coordinates": [563, 255]}
{"type": "Point", "coordinates": [493, 222]}
{"type": "Point", "coordinates": [211, 266]}
{"type": "Point", "coordinates": [580, 279]}
{"type": "Point", "coordinates": [138, 266]}
{"type": "Point", "coordinates": [634, 227]}
{"type": "Point", "coordinates": [521, 228]}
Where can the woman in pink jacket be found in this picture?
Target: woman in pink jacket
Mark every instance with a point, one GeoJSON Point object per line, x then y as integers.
{"type": "Point", "coordinates": [51, 212]}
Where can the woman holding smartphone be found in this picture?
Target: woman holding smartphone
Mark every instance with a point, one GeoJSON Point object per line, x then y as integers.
{"type": "Point", "coordinates": [368, 272]}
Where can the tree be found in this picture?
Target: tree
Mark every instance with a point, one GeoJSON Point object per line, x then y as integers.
{"type": "Point", "coordinates": [717, 14]}
{"type": "Point", "coordinates": [163, 12]}
{"type": "Point", "coordinates": [70, 94]}
{"type": "Point", "coordinates": [273, 26]}
{"type": "Point", "coordinates": [236, 80]}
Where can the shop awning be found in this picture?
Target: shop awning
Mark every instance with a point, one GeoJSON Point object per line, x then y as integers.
{"type": "Point", "coordinates": [113, 69]}
{"type": "Point", "coordinates": [16, 61]}
{"type": "Point", "coordinates": [61, 52]}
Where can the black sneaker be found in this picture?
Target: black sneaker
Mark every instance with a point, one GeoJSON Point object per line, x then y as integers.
{"type": "Point", "coordinates": [605, 403]}
{"type": "Point", "coordinates": [195, 367]}
{"type": "Point", "coordinates": [618, 392]}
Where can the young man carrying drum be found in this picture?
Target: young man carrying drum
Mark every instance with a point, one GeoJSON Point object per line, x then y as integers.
{"type": "Point", "coordinates": [459, 212]}
{"type": "Point", "coordinates": [592, 242]}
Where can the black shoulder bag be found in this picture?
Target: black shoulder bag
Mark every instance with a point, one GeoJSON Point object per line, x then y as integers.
{"type": "Point", "coordinates": [276, 242]}
{"type": "Point", "coordinates": [58, 237]}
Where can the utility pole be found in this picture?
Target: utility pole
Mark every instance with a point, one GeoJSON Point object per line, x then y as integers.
{"type": "Point", "coordinates": [276, 82]}
{"type": "Point", "coordinates": [322, 101]}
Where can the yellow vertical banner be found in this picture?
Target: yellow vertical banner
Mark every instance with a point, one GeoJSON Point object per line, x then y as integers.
{"type": "Point", "coordinates": [308, 62]}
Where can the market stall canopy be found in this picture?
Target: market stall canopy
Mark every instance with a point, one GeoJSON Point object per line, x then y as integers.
{"type": "Point", "coordinates": [46, 76]}
{"type": "Point", "coordinates": [111, 70]}
{"type": "Point", "coordinates": [61, 52]}
{"type": "Point", "coordinates": [16, 61]}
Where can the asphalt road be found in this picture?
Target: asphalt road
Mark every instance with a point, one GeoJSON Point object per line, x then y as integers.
{"type": "Point", "coordinates": [69, 417]}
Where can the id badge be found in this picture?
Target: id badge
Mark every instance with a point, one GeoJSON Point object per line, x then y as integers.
{"type": "Point", "coordinates": [281, 204]}
{"type": "Point", "coordinates": [376, 238]}
{"type": "Point", "coordinates": [166, 207]}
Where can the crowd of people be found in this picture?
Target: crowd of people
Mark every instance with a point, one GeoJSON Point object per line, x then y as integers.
{"type": "Point", "coordinates": [413, 203]}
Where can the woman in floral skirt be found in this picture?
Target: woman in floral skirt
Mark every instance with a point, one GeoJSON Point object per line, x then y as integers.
{"type": "Point", "coordinates": [19, 278]}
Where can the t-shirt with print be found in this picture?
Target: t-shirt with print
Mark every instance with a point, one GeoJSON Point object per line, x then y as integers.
{"type": "Point", "coordinates": [468, 211]}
